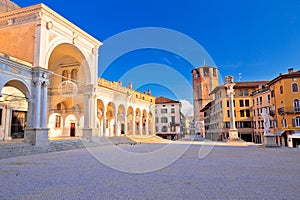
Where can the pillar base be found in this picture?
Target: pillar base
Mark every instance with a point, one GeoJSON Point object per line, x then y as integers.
{"type": "Point", "coordinates": [37, 136]}
{"type": "Point", "coordinates": [233, 136]}
{"type": "Point", "coordinates": [88, 133]}
{"type": "Point", "coordinates": [270, 141]}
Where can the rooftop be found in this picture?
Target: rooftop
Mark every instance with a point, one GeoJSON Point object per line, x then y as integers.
{"type": "Point", "coordinates": [162, 100]}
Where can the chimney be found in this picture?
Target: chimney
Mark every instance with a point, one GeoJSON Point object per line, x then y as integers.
{"type": "Point", "coordinates": [130, 85]}
{"type": "Point", "coordinates": [290, 70]}
{"type": "Point", "coordinates": [149, 92]}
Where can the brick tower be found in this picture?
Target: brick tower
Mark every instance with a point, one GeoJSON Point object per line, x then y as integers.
{"type": "Point", "coordinates": [205, 79]}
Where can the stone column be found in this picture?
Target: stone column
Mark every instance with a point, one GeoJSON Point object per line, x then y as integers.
{"type": "Point", "coordinates": [133, 122]}
{"type": "Point", "coordinates": [141, 124]}
{"type": "Point", "coordinates": [44, 104]}
{"type": "Point", "coordinates": [147, 125]}
{"type": "Point", "coordinates": [116, 129]}
{"type": "Point", "coordinates": [233, 132]}
{"type": "Point", "coordinates": [36, 133]}
{"type": "Point", "coordinates": [90, 112]}
{"type": "Point", "coordinates": [104, 122]}
{"type": "Point", "coordinates": [29, 113]}
{"type": "Point", "coordinates": [37, 104]}
{"type": "Point", "coordinates": [125, 121]}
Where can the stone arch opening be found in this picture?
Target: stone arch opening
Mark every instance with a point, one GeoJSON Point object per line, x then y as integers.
{"type": "Point", "coordinates": [121, 120]}
{"type": "Point", "coordinates": [110, 119]}
{"type": "Point", "coordinates": [14, 109]}
{"type": "Point", "coordinates": [130, 121]}
{"type": "Point", "coordinates": [68, 81]}
{"type": "Point", "coordinates": [100, 117]}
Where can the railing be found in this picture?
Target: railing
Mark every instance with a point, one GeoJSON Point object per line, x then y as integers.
{"type": "Point", "coordinates": [288, 110]}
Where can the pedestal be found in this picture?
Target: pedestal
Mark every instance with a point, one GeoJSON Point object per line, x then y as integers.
{"type": "Point", "coordinates": [88, 133]}
{"type": "Point", "coordinates": [37, 136]}
{"type": "Point", "coordinates": [270, 141]}
{"type": "Point", "coordinates": [233, 136]}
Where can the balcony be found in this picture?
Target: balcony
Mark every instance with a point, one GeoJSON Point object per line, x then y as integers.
{"type": "Point", "coordinates": [288, 110]}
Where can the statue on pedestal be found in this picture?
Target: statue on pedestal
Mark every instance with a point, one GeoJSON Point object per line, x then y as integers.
{"type": "Point", "coordinates": [266, 118]}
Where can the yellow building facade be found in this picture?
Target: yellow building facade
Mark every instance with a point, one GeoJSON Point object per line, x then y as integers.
{"type": "Point", "coordinates": [217, 118]}
{"type": "Point", "coordinates": [285, 100]}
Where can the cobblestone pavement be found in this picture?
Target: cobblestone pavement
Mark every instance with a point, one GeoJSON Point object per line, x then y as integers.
{"type": "Point", "coordinates": [227, 172]}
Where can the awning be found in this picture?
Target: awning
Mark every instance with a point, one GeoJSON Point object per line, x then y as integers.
{"type": "Point", "coordinates": [296, 134]}
{"type": "Point", "coordinates": [279, 132]}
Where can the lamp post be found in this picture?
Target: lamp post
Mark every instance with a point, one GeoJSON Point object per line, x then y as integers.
{"type": "Point", "coordinates": [233, 132]}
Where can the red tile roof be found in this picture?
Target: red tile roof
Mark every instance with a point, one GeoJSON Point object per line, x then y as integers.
{"type": "Point", "coordinates": [162, 100]}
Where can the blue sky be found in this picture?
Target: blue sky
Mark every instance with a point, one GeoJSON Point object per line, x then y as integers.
{"type": "Point", "coordinates": [258, 39]}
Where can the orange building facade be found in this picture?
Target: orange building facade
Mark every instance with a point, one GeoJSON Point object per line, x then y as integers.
{"type": "Point", "coordinates": [285, 100]}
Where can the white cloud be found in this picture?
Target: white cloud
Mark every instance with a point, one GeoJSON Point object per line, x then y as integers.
{"type": "Point", "coordinates": [186, 107]}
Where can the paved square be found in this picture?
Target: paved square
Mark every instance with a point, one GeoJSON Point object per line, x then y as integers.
{"type": "Point", "coordinates": [225, 173]}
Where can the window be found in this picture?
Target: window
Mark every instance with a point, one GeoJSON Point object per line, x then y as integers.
{"type": "Point", "coordinates": [296, 105]}
{"type": "Point", "coordinates": [272, 94]}
{"type": "Point", "coordinates": [260, 100]}
{"type": "Point", "coordinates": [164, 120]}
{"type": "Point", "coordinates": [215, 72]}
{"type": "Point", "coordinates": [296, 122]}
{"type": "Point", "coordinates": [227, 124]}
{"type": "Point", "coordinates": [281, 89]}
{"type": "Point", "coordinates": [247, 103]}
{"type": "Point", "coordinates": [241, 103]}
{"type": "Point", "coordinates": [295, 87]}
{"type": "Point", "coordinates": [164, 129]}
{"type": "Point", "coordinates": [228, 114]}
{"type": "Point", "coordinates": [242, 113]}
{"type": "Point", "coordinates": [253, 112]}
{"type": "Point", "coordinates": [269, 98]}
{"type": "Point", "coordinates": [240, 92]}
{"type": "Point", "coordinates": [246, 124]}
{"type": "Point", "coordinates": [74, 74]}
{"type": "Point", "coordinates": [156, 120]}
{"type": "Point", "coordinates": [173, 119]}
{"type": "Point", "coordinates": [253, 102]}
{"type": "Point", "coordinates": [65, 75]}
{"type": "Point", "coordinates": [1, 116]}
{"type": "Point", "coordinates": [246, 92]}
{"type": "Point", "coordinates": [172, 110]}
{"type": "Point", "coordinates": [164, 110]}
{"type": "Point", "coordinates": [227, 103]}
{"type": "Point", "coordinates": [57, 121]}
{"type": "Point", "coordinates": [247, 113]}
{"type": "Point", "coordinates": [206, 71]}
{"type": "Point", "coordinates": [256, 101]}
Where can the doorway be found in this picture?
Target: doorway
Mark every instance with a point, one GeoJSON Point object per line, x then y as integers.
{"type": "Point", "coordinates": [72, 130]}
{"type": "Point", "coordinates": [18, 124]}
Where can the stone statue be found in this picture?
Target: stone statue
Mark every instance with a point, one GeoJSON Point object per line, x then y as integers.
{"type": "Point", "coordinates": [265, 115]}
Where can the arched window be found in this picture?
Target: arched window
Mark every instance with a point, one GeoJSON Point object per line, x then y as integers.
{"type": "Point", "coordinates": [281, 89]}
{"type": "Point", "coordinates": [296, 105]}
{"type": "Point", "coordinates": [296, 121]}
{"type": "Point", "coordinates": [295, 87]}
{"type": "Point", "coordinates": [74, 74]}
{"type": "Point", "coordinates": [65, 75]}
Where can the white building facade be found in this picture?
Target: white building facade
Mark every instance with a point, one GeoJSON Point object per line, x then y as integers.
{"type": "Point", "coordinates": [49, 84]}
{"type": "Point", "coordinates": [168, 118]}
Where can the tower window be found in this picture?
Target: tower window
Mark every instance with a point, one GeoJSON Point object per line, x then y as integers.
{"type": "Point", "coordinates": [206, 71]}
